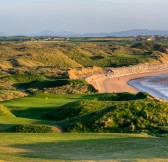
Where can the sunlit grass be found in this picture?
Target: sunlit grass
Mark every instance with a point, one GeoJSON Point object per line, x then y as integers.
{"type": "Point", "coordinates": [77, 147]}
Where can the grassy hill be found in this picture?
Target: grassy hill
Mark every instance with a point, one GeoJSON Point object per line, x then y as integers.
{"type": "Point", "coordinates": [27, 62]}
{"type": "Point", "coordinates": [32, 111]}
{"type": "Point", "coordinates": [71, 55]}
{"type": "Point", "coordinates": [44, 62]}
{"type": "Point", "coordinates": [111, 113]}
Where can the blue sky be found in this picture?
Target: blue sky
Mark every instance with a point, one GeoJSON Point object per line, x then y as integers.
{"type": "Point", "coordinates": [81, 16]}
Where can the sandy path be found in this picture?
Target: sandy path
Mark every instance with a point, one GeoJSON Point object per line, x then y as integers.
{"type": "Point", "coordinates": [119, 84]}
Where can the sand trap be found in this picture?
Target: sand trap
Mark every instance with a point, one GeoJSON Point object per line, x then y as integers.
{"type": "Point", "coordinates": [119, 84]}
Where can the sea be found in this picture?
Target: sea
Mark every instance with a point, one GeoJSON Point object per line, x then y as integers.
{"type": "Point", "coordinates": [155, 85]}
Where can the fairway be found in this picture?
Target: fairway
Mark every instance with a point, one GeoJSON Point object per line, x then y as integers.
{"type": "Point", "coordinates": [82, 147]}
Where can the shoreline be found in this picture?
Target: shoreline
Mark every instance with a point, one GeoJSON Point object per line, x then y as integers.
{"type": "Point", "coordinates": [118, 84]}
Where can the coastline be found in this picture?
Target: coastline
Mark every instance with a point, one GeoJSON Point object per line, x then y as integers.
{"type": "Point", "coordinates": [105, 84]}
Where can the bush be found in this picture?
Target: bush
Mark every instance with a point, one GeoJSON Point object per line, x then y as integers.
{"type": "Point", "coordinates": [77, 82]}
{"type": "Point", "coordinates": [34, 129]}
{"type": "Point", "coordinates": [133, 116]}
{"type": "Point", "coordinates": [50, 83]}
{"type": "Point", "coordinates": [124, 96]}
{"type": "Point", "coordinates": [142, 95]}
{"type": "Point", "coordinates": [117, 97]}
{"type": "Point", "coordinates": [76, 86]}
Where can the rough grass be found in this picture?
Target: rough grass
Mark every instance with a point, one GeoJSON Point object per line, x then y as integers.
{"type": "Point", "coordinates": [135, 116]}
{"type": "Point", "coordinates": [57, 86]}
{"type": "Point", "coordinates": [79, 108]}
{"type": "Point", "coordinates": [70, 55]}
{"type": "Point", "coordinates": [24, 78]}
{"type": "Point", "coordinates": [5, 112]}
{"type": "Point", "coordinates": [82, 147]}
{"type": "Point", "coordinates": [76, 109]}
{"type": "Point", "coordinates": [122, 112]}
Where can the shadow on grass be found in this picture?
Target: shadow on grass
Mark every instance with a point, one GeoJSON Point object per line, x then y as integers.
{"type": "Point", "coordinates": [97, 149]}
{"type": "Point", "coordinates": [33, 112]}
{"type": "Point", "coordinates": [42, 84]}
{"type": "Point", "coordinates": [5, 127]}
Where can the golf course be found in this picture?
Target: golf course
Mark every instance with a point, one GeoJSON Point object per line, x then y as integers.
{"type": "Point", "coordinates": [51, 111]}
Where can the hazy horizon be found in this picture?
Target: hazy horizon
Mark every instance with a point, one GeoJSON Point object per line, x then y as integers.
{"type": "Point", "coordinates": [81, 16]}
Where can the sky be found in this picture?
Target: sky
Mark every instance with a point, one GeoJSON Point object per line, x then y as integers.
{"type": "Point", "coordinates": [81, 16]}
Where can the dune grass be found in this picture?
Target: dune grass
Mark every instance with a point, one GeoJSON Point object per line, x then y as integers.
{"type": "Point", "coordinates": [82, 147]}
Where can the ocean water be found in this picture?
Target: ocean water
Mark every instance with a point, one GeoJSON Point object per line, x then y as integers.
{"type": "Point", "coordinates": [155, 85]}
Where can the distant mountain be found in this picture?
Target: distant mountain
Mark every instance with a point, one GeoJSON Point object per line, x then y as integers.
{"type": "Point", "coordinates": [134, 32]}
{"type": "Point", "coordinates": [2, 34]}
{"type": "Point", "coordinates": [58, 34]}
{"type": "Point", "coordinates": [127, 33]}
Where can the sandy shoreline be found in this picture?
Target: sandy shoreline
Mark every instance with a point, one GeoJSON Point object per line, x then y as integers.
{"type": "Point", "coordinates": [119, 84]}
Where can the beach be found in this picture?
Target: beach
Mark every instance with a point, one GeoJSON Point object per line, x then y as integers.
{"type": "Point", "coordinates": [120, 83]}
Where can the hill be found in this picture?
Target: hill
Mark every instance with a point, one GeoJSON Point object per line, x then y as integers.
{"type": "Point", "coordinates": [5, 112]}
{"type": "Point", "coordinates": [114, 113]}
{"type": "Point", "coordinates": [43, 62]}
{"type": "Point", "coordinates": [71, 55]}
{"type": "Point", "coordinates": [126, 33]}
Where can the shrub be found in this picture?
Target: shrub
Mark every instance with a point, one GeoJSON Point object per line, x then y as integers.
{"type": "Point", "coordinates": [51, 83]}
{"type": "Point", "coordinates": [125, 96]}
{"type": "Point", "coordinates": [34, 129]}
{"type": "Point", "coordinates": [116, 97]}
{"type": "Point", "coordinates": [133, 116]}
{"type": "Point", "coordinates": [142, 95]}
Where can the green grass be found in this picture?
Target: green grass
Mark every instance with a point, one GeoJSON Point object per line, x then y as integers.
{"type": "Point", "coordinates": [82, 147]}
{"type": "Point", "coordinates": [123, 112]}
{"type": "Point", "coordinates": [5, 112]}
{"type": "Point", "coordinates": [30, 110]}
{"type": "Point", "coordinates": [35, 107]}
{"type": "Point", "coordinates": [8, 122]}
{"type": "Point", "coordinates": [24, 78]}
{"type": "Point", "coordinates": [76, 109]}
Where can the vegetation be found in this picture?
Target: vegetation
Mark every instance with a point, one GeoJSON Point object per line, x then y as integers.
{"type": "Point", "coordinates": [122, 112]}
{"type": "Point", "coordinates": [79, 108]}
{"type": "Point", "coordinates": [33, 129]}
{"type": "Point", "coordinates": [75, 109]}
{"type": "Point", "coordinates": [92, 113]}
{"type": "Point", "coordinates": [5, 112]}
{"type": "Point", "coordinates": [35, 65]}
{"type": "Point", "coordinates": [81, 147]}
{"type": "Point", "coordinates": [50, 102]}
{"type": "Point", "coordinates": [85, 54]}
{"type": "Point", "coordinates": [136, 116]}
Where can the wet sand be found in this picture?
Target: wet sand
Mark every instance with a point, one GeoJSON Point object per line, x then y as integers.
{"type": "Point", "coordinates": [119, 84]}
